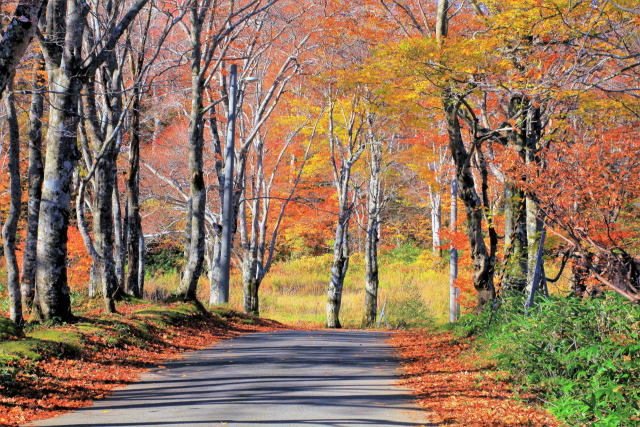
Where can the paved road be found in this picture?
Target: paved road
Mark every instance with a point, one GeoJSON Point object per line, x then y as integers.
{"type": "Point", "coordinates": [284, 378]}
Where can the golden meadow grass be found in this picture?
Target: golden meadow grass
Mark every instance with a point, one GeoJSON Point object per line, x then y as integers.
{"type": "Point", "coordinates": [414, 290]}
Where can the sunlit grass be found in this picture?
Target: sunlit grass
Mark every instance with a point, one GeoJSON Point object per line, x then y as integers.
{"type": "Point", "coordinates": [414, 290]}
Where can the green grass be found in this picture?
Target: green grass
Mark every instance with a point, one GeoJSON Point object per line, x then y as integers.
{"type": "Point", "coordinates": [40, 343]}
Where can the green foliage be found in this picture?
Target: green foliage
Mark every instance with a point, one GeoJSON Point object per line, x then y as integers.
{"type": "Point", "coordinates": [162, 257]}
{"type": "Point", "coordinates": [406, 253]}
{"type": "Point", "coordinates": [581, 356]}
{"type": "Point", "coordinates": [8, 329]}
{"type": "Point", "coordinates": [169, 316]}
{"type": "Point", "coordinates": [408, 309]}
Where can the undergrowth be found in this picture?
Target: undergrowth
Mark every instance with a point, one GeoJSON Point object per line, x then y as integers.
{"type": "Point", "coordinates": [582, 357]}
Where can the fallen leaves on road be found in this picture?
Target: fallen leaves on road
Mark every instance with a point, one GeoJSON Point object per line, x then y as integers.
{"type": "Point", "coordinates": [456, 390]}
{"type": "Point", "coordinates": [52, 386]}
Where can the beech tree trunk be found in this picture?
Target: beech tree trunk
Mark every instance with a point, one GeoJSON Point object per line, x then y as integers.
{"type": "Point", "coordinates": [534, 222]}
{"type": "Point", "coordinates": [339, 269]}
{"type": "Point", "coordinates": [198, 196]}
{"type": "Point", "coordinates": [374, 207]}
{"type": "Point", "coordinates": [16, 38]}
{"type": "Point", "coordinates": [36, 169]}
{"type": "Point", "coordinates": [133, 284]}
{"type": "Point", "coordinates": [251, 274]}
{"type": "Point", "coordinates": [62, 48]}
{"type": "Point", "coordinates": [214, 272]}
{"type": "Point", "coordinates": [515, 241]}
{"type": "Point", "coordinates": [11, 224]}
{"type": "Point", "coordinates": [104, 231]}
{"type": "Point", "coordinates": [515, 276]}
{"type": "Point", "coordinates": [349, 151]}
{"type": "Point", "coordinates": [435, 201]}
{"type": "Point", "coordinates": [454, 292]}
{"type": "Point", "coordinates": [483, 261]}
{"type": "Point", "coordinates": [52, 291]}
{"type": "Point", "coordinates": [120, 234]}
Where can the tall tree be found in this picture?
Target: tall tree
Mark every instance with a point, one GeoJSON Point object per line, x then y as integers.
{"type": "Point", "coordinates": [35, 174]}
{"type": "Point", "coordinates": [212, 27]}
{"type": "Point", "coordinates": [375, 199]}
{"type": "Point", "coordinates": [11, 223]}
{"type": "Point", "coordinates": [346, 147]}
{"type": "Point", "coordinates": [67, 69]}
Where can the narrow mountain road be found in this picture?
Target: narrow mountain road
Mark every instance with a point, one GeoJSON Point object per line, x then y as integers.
{"type": "Point", "coordinates": [284, 378]}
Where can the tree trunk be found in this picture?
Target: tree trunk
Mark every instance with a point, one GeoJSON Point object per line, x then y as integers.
{"type": "Point", "coordinates": [133, 285]}
{"type": "Point", "coordinates": [52, 291]}
{"type": "Point", "coordinates": [36, 169]}
{"type": "Point", "coordinates": [11, 223]}
{"type": "Point", "coordinates": [374, 207]}
{"type": "Point", "coordinates": [251, 286]}
{"type": "Point", "coordinates": [435, 201]}
{"type": "Point", "coordinates": [120, 250]}
{"type": "Point", "coordinates": [16, 38]}
{"type": "Point", "coordinates": [103, 229]}
{"type": "Point", "coordinates": [515, 276]}
{"type": "Point", "coordinates": [214, 266]}
{"type": "Point", "coordinates": [141, 267]}
{"type": "Point", "coordinates": [229, 202]}
{"type": "Point", "coordinates": [198, 196]}
{"type": "Point", "coordinates": [534, 229]}
{"type": "Point", "coordinates": [61, 47]}
{"type": "Point", "coordinates": [250, 274]}
{"type": "Point", "coordinates": [534, 223]}
{"type": "Point", "coordinates": [538, 271]}
{"type": "Point", "coordinates": [516, 262]}
{"type": "Point", "coordinates": [483, 261]}
{"type": "Point", "coordinates": [339, 269]}
{"type": "Point", "coordinates": [371, 271]}
{"type": "Point", "coordinates": [454, 303]}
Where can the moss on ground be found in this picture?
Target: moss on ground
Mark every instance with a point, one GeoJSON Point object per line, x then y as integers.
{"type": "Point", "coordinates": [41, 343]}
{"type": "Point", "coordinates": [8, 329]}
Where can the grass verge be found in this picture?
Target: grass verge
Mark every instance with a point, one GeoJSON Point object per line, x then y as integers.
{"type": "Point", "coordinates": [48, 370]}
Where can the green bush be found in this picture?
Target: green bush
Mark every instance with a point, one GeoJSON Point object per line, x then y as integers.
{"type": "Point", "coordinates": [581, 356]}
{"type": "Point", "coordinates": [408, 310]}
{"type": "Point", "coordinates": [162, 257]}
{"type": "Point", "coordinates": [405, 253]}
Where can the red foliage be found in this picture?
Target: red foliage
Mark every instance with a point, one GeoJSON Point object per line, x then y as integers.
{"type": "Point", "coordinates": [456, 390]}
{"type": "Point", "coordinates": [57, 385]}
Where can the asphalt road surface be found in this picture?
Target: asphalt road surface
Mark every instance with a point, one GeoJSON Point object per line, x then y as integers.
{"type": "Point", "coordinates": [284, 378]}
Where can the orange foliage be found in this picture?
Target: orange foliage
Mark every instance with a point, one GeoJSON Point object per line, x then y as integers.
{"type": "Point", "coordinates": [459, 391]}
{"type": "Point", "coordinates": [63, 384]}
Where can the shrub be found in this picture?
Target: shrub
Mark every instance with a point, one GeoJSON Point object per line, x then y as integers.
{"type": "Point", "coordinates": [162, 257]}
{"type": "Point", "coordinates": [583, 356]}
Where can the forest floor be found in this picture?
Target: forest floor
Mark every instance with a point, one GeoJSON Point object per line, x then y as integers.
{"type": "Point", "coordinates": [51, 370]}
{"type": "Point", "coordinates": [459, 387]}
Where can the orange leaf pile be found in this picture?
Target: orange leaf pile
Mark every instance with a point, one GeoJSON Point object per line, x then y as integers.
{"type": "Point", "coordinates": [57, 385]}
{"type": "Point", "coordinates": [457, 390]}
